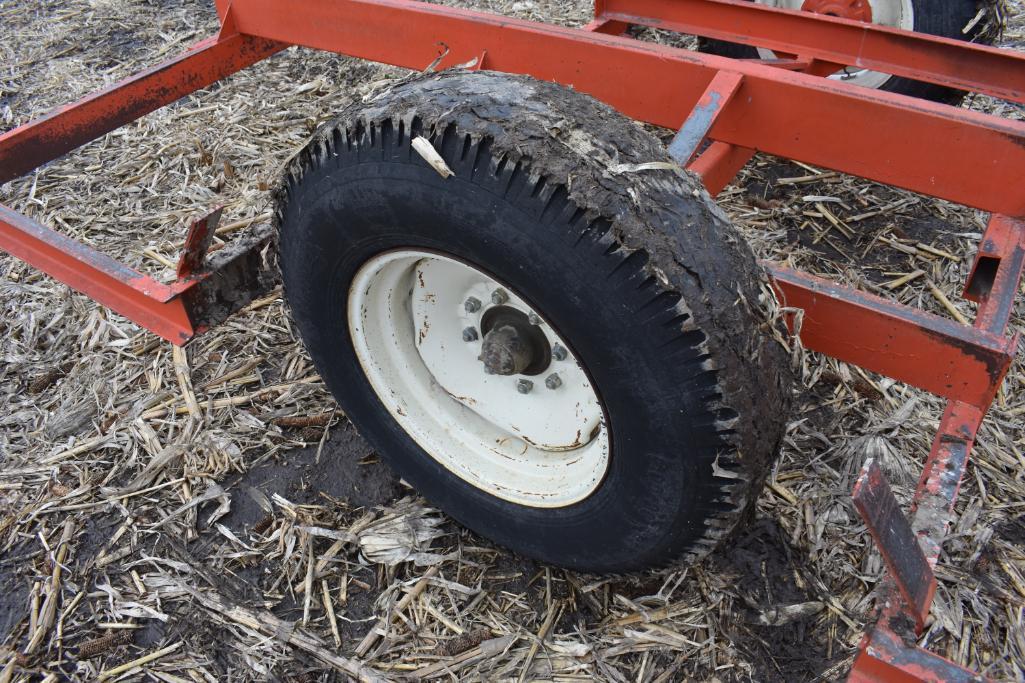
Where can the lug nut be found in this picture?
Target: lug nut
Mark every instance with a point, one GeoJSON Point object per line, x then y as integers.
{"type": "Point", "coordinates": [470, 334]}
{"type": "Point", "coordinates": [499, 297]}
{"type": "Point", "coordinates": [472, 305]}
{"type": "Point", "coordinates": [533, 319]}
{"type": "Point", "coordinates": [524, 386]}
{"type": "Point", "coordinates": [559, 352]}
{"type": "Point", "coordinates": [553, 381]}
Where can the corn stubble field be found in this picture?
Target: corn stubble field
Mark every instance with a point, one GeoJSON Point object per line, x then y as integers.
{"type": "Point", "coordinates": [207, 515]}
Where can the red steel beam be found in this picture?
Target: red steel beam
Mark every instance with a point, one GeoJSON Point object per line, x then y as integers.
{"type": "Point", "coordinates": [222, 6]}
{"type": "Point", "coordinates": [885, 658]}
{"type": "Point", "coordinates": [873, 134]}
{"type": "Point", "coordinates": [909, 569]}
{"type": "Point", "coordinates": [66, 128]}
{"type": "Point", "coordinates": [907, 344]}
{"type": "Point", "coordinates": [923, 57]}
{"type": "Point", "coordinates": [692, 133]}
{"type": "Point", "coordinates": [719, 164]}
{"type": "Point", "coordinates": [153, 305]}
{"type": "Point", "coordinates": [888, 652]}
{"type": "Point", "coordinates": [996, 272]}
{"type": "Point", "coordinates": [612, 28]}
{"type": "Point", "coordinates": [940, 482]}
{"type": "Point", "coordinates": [601, 25]}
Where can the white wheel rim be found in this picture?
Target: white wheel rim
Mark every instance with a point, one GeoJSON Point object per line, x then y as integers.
{"type": "Point", "coordinates": [407, 314]}
{"type": "Point", "coordinates": [895, 13]}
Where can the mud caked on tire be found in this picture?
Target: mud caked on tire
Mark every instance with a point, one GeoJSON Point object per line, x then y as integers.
{"type": "Point", "coordinates": [631, 286]}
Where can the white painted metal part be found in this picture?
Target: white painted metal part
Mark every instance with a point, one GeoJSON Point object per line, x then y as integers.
{"type": "Point", "coordinates": [407, 315]}
{"type": "Point", "coordinates": [895, 13]}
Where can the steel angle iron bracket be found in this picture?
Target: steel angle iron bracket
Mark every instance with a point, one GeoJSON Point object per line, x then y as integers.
{"type": "Point", "coordinates": [911, 548]}
{"type": "Point", "coordinates": [206, 291]}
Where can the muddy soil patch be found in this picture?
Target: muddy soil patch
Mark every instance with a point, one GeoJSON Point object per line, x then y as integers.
{"type": "Point", "coordinates": [346, 468]}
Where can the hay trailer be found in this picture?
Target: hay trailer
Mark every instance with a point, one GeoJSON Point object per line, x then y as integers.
{"type": "Point", "coordinates": [538, 317]}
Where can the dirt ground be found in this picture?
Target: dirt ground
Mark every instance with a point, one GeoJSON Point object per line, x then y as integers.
{"type": "Point", "coordinates": [253, 535]}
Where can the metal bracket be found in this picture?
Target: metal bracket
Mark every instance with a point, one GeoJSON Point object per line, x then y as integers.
{"type": "Point", "coordinates": [925, 350]}
{"type": "Point", "coordinates": [998, 268]}
{"type": "Point", "coordinates": [720, 162]}
{"type": "Point", "coordinates": [886, 658]}
{"type": "Point", "coordinates": [197, 243]}
{"type": "Point", "coordinates": [896, 541]}
{"type": "Point", "coordinates": [692, 133]}
{"type": "Point", "coordinates": [232, 278]}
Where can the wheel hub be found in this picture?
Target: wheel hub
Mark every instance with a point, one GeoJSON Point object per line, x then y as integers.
{"type": "Point", "coordinates": [478, 378]}
{"type": "Point", "coordinates": [505, 351]}
{"type": "Point", "coordinates": [512, 344]}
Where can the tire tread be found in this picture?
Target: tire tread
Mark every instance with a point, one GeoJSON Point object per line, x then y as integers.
{"type": "Point", "coordinates": [690, 266]}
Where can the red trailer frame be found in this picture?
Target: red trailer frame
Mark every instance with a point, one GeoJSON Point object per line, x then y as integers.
{"type": "Point", "coordinates": [740, 107]}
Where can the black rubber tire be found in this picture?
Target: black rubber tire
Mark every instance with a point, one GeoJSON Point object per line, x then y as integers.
{"type": "Point", "coordinates": [945, 18]}
{"type": "Point", "coordinates": [641, 272]}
